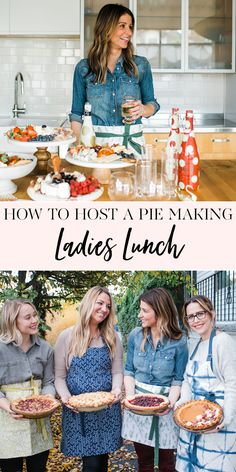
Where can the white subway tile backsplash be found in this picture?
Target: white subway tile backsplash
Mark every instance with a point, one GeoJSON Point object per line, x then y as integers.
{"type": "Point", "coordinates": [47, 65]}
{"type": "Point", "coordinates": [71, 60]}
{"type": "Point", "coordinates": [203, 92]}
{"type": "Point", "coordinates": [67, 52]}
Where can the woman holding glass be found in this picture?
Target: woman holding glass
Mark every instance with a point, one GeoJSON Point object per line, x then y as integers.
{"type": "Point", "coordinates": [156, 360]}
{"type": "Point", "coordinates": [109, 74]}
{"type": "Point", "coordinates": [26, 368]}
{"type": "Point", "coordinates": [210, 374]}
{"type": "Point", "coordinates": [89, 359]}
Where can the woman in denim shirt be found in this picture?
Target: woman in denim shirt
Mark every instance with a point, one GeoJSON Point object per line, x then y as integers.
{"type": "Point", "coordinates": [156, 360]}
{"type": "Point", "coordinates": [111, 72]}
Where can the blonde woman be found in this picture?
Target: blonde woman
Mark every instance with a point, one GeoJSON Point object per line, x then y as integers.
{"type": "Point", "coordinates": [89, 359]}
{"type": "Point", "coordinates": [26, 367]}
{"type": "Point", "coordinates": [210, 374]}
{"type": "Point", "coordinates": [111, 72]}
{"type": "Point", "coordinates": [156, 360]}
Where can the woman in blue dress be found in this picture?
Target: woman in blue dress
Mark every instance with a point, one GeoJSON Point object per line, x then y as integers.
{"type": "Point", "coordinates": [156, 360]}
{"type": "Point", "coordinates": [88, 358]}
{"type": "Point", "coordinates": [210, 374]}
{"type": "Point", "coordinates": [111, 72]}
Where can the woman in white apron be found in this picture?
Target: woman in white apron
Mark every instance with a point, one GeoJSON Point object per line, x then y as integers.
{"type": "Point", "coordinates": [110, 73]}
{"type": "Point", "coordinates": [210, 374]}
{"type": "Point", "coordinates": [26, 368]}
{"type": "Point", "coordinates": [156, 359]}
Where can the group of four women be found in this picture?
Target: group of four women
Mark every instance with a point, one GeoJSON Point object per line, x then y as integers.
{"type": "Point", "coordinates": [89, 357]}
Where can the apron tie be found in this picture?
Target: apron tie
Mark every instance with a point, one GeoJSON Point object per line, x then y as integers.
{"type": "Point", "coordinates": [40, 422]}
{"type": "Point", "coordinates": [127, 137]}
{"type": "Point", "coordinates": [154, 431]}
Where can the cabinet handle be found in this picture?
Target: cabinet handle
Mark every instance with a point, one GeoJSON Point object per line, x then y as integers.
{"type": "Point", "coordinates": [160, 140]}
{"type": "Point", "coordinates": [220, 140]}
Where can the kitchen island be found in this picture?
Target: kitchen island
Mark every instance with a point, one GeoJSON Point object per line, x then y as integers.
{"type": "Point", "coordinates": [217, 181]}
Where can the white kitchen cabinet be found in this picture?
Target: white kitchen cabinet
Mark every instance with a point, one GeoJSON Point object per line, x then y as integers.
{"type": "Point", "coordinates": [45, 17]}
{"type": "Point", "coordinates": [176, 35]}
{"type": "Point", "coordinates": [187, 35]}
{"type": "Point", "coordinates": [5, 17]}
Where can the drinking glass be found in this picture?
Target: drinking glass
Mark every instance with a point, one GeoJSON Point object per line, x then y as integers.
{"type": "Point", "coordinates": [147, 152]}
{"type": "Point", "coordinates": [146, 178]}
{"type": "Point", "coordinates": [169, 172]}
{"type": "Point", "coordinates": [122, 186]}
{"type": "Point", "coordinates": [127, 103]}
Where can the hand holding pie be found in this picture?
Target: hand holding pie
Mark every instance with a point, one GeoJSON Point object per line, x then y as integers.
{"type": "Point", "coordinates": [147, 404]}
{"type": "Point", "coordinates": [199, 415]}
{"type": "Point", "coordinates": [91, 401]}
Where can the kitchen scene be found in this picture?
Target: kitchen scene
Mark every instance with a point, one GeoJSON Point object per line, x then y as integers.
{"type": "Point", "coordinates": [186, 150]}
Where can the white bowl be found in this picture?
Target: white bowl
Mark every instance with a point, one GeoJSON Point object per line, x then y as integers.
{"type": "Point", "coordinates": [15, 172]}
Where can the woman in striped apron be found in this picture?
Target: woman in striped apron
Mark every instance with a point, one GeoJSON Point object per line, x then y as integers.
{"type": "Point", "coordinates": [110, 73]}
{"type": "Point", "coordinates": [89, 359]}
{"type": "Point", "coordinates": [210, 374]}
{"type": "Point", "coordinates": [26, 368]}
{"type": "Point", "coordinates": [156, 360]}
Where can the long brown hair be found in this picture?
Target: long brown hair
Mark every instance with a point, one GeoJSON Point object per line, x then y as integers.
{"type": "Point", "coordinates": [107, 20]}
{"type": "Point", "coordinates": [161, 301]}
{"type": "Point", "coordinates": [204, 302]}
{"type": "Point", "coordinates": [81, 336]}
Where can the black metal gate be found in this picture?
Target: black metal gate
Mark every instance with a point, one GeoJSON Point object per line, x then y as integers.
{"type": "Point", "coordinates": [220, 287]}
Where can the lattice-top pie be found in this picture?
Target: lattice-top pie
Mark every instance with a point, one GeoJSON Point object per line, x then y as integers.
{"type": "Point", "coordinates": [198, 415]}
{"type": "Point", "coordinates": [35, 406]}
{"type": "Point", "coordinates": [91, 401]}
{"type": "Point", "coordinates": [148, 403]}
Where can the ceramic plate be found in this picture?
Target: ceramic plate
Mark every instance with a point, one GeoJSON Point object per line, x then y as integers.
{"type": "Point", "coordinates": [99, 163]}
{"type": "Point", "coordinates": [37, 196]}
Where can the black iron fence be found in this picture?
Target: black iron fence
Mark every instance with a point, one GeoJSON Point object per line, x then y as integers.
{"type": "Point", "coordinates": [220, 287]}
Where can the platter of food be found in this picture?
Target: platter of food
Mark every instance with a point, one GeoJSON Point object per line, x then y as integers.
{"type": "Point", "coordinates": [91, 401]}
{"type": "Point", "coordinates": [111, 157]}
{"type": "Point", "coordinates": [35, 406]}
{"type": "Point", "coordinates": [12, 160]}
{"type": "Point", "coordinates": [14, 166]}
{"type": "Point", "coordinates": [61, 185]}
{"type": "Point", "coordinates": [43, 136]}
{"type": "Point", "coordinates": [147, 404]}
{"type": "Point", "coordinates": [198, 416]}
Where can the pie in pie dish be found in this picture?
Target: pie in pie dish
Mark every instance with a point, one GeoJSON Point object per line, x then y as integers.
{"type": "Point", "coordinates": [198, 415]}
{"type": "Point", "coordinates": [35, 406]}
{"type": "Point", "coordinates": [147, 404]}
{"type": "Point", "coordinates": [91, 401]}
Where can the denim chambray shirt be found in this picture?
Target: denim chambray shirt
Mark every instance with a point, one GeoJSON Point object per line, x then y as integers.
{"type": "Point", "coordinates": [106, 99]}
{"type": "Point", "coordinates": [162, 366]}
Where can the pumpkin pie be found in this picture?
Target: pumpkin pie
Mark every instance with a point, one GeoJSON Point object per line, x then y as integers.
{"type": "Point", "coordinates": [198, 415]}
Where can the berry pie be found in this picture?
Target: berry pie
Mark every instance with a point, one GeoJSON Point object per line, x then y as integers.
{"type": "Point", "coordinates": [91, 401]}
{"type": "Point", "coordinates": [198, 415]}
{"type": "Point", "coordinates": [147, 404]}
{"type": "Point", "coordinates": [35, 406]}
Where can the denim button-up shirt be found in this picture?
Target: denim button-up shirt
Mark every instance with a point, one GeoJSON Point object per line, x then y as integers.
{"type": "Point", "coordinates": [106, 98]}
{"type": "Point", "coordinates": [162, 366]}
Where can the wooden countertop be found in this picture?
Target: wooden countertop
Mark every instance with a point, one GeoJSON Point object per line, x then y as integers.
{"type": "Point", "coordinates": [217, 181]}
